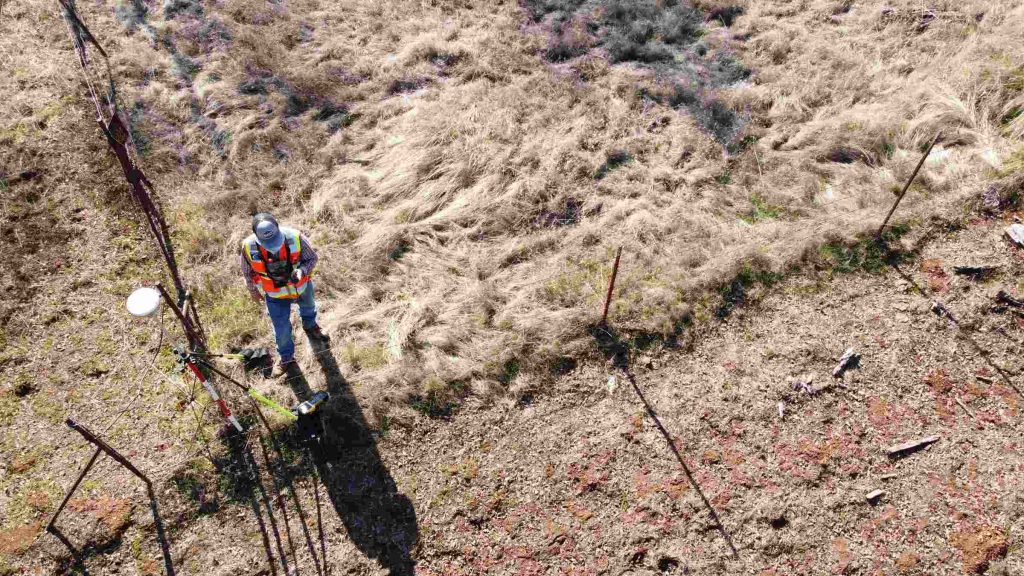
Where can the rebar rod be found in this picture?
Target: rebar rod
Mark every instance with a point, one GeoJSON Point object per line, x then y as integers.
{"type": "Point", "coordinates": [906, 186]}
{"type": "Point", "coordinates": [611, 286]}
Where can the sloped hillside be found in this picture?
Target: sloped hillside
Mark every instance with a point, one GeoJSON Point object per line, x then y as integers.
{"type": "Point", "coordinates": [467, 169]}
{"type": "Point", "coordinates": [470, 167]}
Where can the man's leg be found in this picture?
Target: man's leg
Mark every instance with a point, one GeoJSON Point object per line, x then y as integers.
{"type": "Point", "coordinates": [307, 311]}
{"type": "Point", "coordinates": [280, 310]}
{"type": "Point", "coordinates": [307, 307]}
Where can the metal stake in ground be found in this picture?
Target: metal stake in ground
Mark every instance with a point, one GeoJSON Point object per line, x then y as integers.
{"type": "Point", "coordinates": [115, 128]}
{"type": "Point", "coordinates": [611, 287]}
{"type": "Point", "coordinates": [102, 446]}
{"type": "Point", "coordinates": [71, 491]}
{"type": "Point", "coordinates": [195, 339]}
{"type": "Point", "coordinates": [909, 182]}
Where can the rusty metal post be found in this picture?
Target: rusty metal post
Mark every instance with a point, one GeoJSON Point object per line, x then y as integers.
{"type": "Point", "coordinates": [67, 497]}
{"type": "Point", "coordinates": [907, 185]}
{"type": "Point", "coordinates": [100, 444]}
{"type": "Point", "coordinates": [611, 287]}
{"type": "Point", "coordinates": [188, 312]}
{"type": "Point", "coordinates": [183, 305]}
{"type": "Point", "coordinates": [200, 331]}
{"type": "Point", "coordinates": [195, 342]}
{"type": "Point", "coordinates": [116, 130]}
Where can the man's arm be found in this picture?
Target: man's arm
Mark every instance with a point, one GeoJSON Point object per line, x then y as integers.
{"type": "Point", "coordinates": [247, 274]}
{"type": "Point", "coordinates": [308, 259]}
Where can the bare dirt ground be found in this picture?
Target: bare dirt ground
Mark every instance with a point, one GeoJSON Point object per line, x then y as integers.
{"type": "Point", "coordinates": [450, 447]}
{"type": "Point", "coordinates": [583, 482]}
{"type": "Point", "coordinates": [579, 480]}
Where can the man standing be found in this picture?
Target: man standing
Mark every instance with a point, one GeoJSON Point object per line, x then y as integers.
{"type": "Point", "coordinates": [278, 261]}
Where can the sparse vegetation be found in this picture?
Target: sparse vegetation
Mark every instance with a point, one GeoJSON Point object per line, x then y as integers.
{"type": "Point", "coordinates": [867, 255]}
{"type": "Point", "coordinates": [9, 407]}
{"type": "Point", "coordinates": [368, 356]}
{"type": "Point", "coordinates": [467, 170]}
{"type": "Point", "coordinates": [231, 317]}
{"type": "Point", "coordinates": [760, 210]}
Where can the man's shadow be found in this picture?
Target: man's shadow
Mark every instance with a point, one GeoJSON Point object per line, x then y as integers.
{"type": "Point", "coordinates": [380, 521]}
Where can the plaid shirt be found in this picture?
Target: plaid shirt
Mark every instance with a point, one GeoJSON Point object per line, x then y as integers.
{"type": "Point", "coordinates": [307, 261]}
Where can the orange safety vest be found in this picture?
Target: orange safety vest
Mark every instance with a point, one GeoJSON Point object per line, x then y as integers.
{"type": "Point", "coordinates": [291, 251]}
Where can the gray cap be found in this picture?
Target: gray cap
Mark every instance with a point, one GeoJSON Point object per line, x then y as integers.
{"type": "Point", "coordinates": [268, 233]}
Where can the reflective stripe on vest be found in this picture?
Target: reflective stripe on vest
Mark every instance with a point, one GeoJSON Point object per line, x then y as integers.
{"type": "Point", "coordinates": [254, 253]}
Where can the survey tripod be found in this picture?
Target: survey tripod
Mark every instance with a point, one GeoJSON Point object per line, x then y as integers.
{"type": "Point", "coordinates": [304, 416]}
{"type": "Point", "coordinates": [195, 361]}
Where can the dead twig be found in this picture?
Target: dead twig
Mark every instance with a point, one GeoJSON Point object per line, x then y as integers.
{"type": "Point", "coordinates": [965, 408]}
{"type": "Point", "coordinates": [1003, 298]}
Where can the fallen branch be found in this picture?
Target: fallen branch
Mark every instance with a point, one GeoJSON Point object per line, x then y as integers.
{"type": "Point", "coordinates": [941, 311]}
{"type": "Point", "coordinates": [910, 447]}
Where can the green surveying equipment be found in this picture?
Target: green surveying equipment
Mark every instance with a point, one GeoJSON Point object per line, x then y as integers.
{"type": "Point", "coordinates": [304, 411]}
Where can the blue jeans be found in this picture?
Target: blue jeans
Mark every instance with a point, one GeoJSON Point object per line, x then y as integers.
{"type": "Point", "coordinates": [280, 310]}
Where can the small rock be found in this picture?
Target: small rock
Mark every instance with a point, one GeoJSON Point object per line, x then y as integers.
{"type": "Point", "coordinates": [990, 200]}
{"type": "Point", "coordinates": [874, 496]}
{"type": "Point", "coordinates": [803, 383]}
{"type": "Point", "coordinates": [849, 360]}
{"type": "Point", "coordinates": [1016, 234]}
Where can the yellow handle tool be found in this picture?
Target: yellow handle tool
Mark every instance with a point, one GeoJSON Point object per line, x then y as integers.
{"type": "Point", "coordinates": [272, 405]}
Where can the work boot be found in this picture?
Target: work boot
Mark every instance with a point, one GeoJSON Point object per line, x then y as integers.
{"type": "Point", "coordinates": [315, 333]}
{"type": "Point", "coordinates": [281, 367]}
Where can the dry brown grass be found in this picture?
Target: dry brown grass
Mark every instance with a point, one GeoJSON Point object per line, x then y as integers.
{"type": "Point", "coordinates": [443, 247]}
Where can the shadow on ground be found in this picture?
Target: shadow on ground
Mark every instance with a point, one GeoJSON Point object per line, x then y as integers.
{"type": "Point", "coordinates": [617, 351]}
{"type": "Point", "coordinates": [272, 473]}
{"type": "Point", "coordinates": [380, 521]}
{"type": "Point", "coordinates": [76, 563]}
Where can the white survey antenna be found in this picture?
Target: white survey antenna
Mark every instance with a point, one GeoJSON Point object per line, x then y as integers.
{"type": "Point", "coordinates": [143, 302]}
